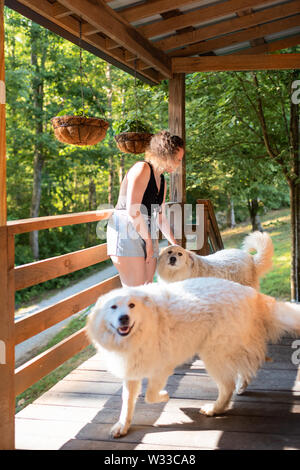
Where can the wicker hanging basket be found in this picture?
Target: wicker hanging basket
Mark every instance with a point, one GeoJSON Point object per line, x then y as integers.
{"type": "Point", "coordinates": [133, 142]}
{"type": "Point", "coordinates": [79, 130]}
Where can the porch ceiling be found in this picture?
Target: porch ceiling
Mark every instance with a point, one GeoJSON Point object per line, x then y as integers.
{"type": "Point", "coordinates": [157, 37]}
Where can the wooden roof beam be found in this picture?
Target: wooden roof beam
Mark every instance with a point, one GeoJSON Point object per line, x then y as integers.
{"type": "Point", "coordinates": [229, 26]}
{"type": "Point", "coordinates": [71, 25]}
{"type": "Point", "coordinates": [239, 37]}
{"type": "Point", "coordinates": [208, 13]}
{"type": "Point", "coordinates": [273, 46]}
{"type": "Point", "coordinates": [236, 63]}
{"type": "Point", "coordinates": [155, 7]}
{"type": "Point", "coordinates": [100, 16]}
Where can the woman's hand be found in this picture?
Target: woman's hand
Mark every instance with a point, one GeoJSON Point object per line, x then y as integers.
{"type": "Point", "coordinates": [149, 250]}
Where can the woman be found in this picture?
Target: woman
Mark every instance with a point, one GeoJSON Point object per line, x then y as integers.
{"type": "Point", "coordinates": [132, 241]}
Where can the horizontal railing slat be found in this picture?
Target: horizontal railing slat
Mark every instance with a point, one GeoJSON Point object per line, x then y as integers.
{"type": "Point", "coordinates": [37, 322]}
{"type": "Point", "coordinates": [53, 221]}
{"type": "Point", "coordinates": [40, 271]}
{"type": "Point", "coordinates": [37, 368]}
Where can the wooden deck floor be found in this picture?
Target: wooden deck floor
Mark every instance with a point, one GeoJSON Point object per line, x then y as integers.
{"type": "Point", "coordinates": [78, 412]}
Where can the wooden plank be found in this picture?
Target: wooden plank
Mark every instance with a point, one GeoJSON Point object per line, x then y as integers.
{"type": "Point", "coordinates": [35, 369]}
{"type": "Point", "coordinates": [40, 271]}
{"type": "Point", "coordinates": [195, 438]}
{"type": "Point", "coordinates": [209, 13]}
{"type": "Point", "coordinates": [273, 46]}
{"type": "Point", "coordinates": [245, 35]}
{"type": "Point", "coordinates": [53, 221]}
{"type": "Point", "coordinates": [147, 9]}
{"type": "Point", "coordinates": [7, 350]}
{"type": "Point", "coordinates": [33, 324]}
{"type": "Point", "coordinates": [236, 63]}
{"type": "Point", "coordinates": [214, 225]}
{"type": "Point", "coordinates": [100, 16]}
{"type": "Point", "coordinates": [177, 192]}
{"type": "Point", "coordinates": [7, 359]}
{"type": "Point", "coordinates": [229, 26]}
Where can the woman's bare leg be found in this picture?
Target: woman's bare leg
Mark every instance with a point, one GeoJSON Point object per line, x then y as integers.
{"type": "Point", "coordinates": [150, 270]}
{"type": "Point", "coordinates": [132, 269]}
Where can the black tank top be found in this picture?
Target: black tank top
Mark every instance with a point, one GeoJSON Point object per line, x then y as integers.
{"type": "Point", "coordinates": [153, 197]}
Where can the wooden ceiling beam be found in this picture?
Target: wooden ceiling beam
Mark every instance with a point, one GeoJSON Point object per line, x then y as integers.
{"type": "Point", "coordinates": [239, 37]}
{"type": "Point", "coordinates": [201, 15]}
{"type": "Point", "coordinates": [100, 16]}
{"type": "Point", "coordinates": [236, 63]}
{"type": "Point", "coordinates": [71, 25]}
{"type": "Point", "coordinates": [273, 46]}
{"type": "Point", "coordinates": [59, 11]}
{"type": "Point", "coordinates": [229, 26]}
{"type": "Point", "coordinates": [155, 7]}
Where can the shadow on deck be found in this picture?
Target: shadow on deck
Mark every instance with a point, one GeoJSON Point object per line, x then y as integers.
{"type": "Point", "coordinates": [77, 413]}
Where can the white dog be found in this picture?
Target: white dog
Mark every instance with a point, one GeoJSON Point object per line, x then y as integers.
{"type": "Point", "coordinates": [176, 264]}
{"type": "Point", "coordinates": [147, 331]}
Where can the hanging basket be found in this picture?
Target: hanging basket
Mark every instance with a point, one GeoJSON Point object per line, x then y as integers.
{"type": "Point", "coordinates": [79, 130]}
{"type": "Point", "coordinates": [133, 142]}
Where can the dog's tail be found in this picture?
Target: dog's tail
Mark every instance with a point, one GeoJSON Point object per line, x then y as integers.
{"type": "Point", "coordinates": [262, 243]}
{"type": "Point", "coordinates": [286, 319]}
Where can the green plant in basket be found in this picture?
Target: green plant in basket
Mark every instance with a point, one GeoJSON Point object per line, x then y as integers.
{"type": "Point", "coordinates": [132, 135]}
{"type": "Point", "coordinates": [131, 125]}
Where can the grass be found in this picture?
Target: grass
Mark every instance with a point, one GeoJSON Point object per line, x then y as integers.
{"type": "Point", "coordinates": [40, 387]}
{"type": "Point", "coordinates": [275, 283]}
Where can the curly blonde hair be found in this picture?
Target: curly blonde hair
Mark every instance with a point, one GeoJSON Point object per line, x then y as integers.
{"type": "Point", "coordinates": [163, 148]}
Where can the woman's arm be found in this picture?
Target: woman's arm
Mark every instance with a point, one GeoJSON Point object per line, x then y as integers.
{"type": "Point", "coordinates": [138, 178]}
{"type": "Point", "coordinates": [163, 222]}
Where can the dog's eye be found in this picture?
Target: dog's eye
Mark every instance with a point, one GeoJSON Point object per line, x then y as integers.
{"type": "Point", "coordinates": [113, 306]}
{"type": "Point", "coordinates": [179, 254]}
{"type": "Point", "coordinates": [169, 252]}
{"type": "Point", "coordinates": [131, 305]}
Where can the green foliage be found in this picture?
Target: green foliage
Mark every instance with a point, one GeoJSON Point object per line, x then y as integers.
{"type": "Point", "coordinates": [131, 125]}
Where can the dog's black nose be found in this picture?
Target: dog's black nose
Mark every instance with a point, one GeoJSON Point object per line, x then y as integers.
{"type": "Point", "coordinates": [124, 320]}
{"type": "Point", "coordinates": [172, 259]}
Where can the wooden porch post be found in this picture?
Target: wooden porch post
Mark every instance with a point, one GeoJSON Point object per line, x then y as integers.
{"type": "Point", "coordinates": [177, 126]}
{"type": "Point", "coordinates": [7, 363]}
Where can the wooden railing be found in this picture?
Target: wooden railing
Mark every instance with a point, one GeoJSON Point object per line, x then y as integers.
{"type": "Point", "coordinates": [41, 271]}
{"type": "Point", "coordinates": [212, 236]}
{"type": "Point", "coordinates": [212, 240]}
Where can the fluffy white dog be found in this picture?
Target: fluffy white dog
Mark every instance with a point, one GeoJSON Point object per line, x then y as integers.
{"type": "Point", "coordinates": [176, 264]}
{"type": "Point", "coordinates": [147, 331]}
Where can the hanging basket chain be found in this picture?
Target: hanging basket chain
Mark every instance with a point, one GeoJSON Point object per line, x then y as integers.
{"type": "Point", "coordinates": [80, 66]}
{"type": "Point", "coordinates": [135, 97]}
{"type": "Point", "coordinates": [83, 74]}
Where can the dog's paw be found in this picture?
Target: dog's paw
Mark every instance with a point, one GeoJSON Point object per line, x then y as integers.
{"type": "Point", "coordinates": [241, 387]}
{"type": "Point", "coordinates": [118, 430]}
{"type": "Point", "coordinates": [163, 396]}
{"type": "Point", "coordinates": [208, 409]}
{"type": "Point", "coordinates": [159, 397]}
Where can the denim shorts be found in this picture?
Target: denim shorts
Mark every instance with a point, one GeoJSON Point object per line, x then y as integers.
{"type": "Point", "coordinates": [124, 240]}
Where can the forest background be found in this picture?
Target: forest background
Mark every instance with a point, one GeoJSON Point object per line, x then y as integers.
{"type": "Point", "coordinates": [239, 138]}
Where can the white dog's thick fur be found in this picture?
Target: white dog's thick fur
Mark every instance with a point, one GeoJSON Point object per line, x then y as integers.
{"type": "Point", "coordinates": [176, 264]}
{"type": "Point", "coordinates": [146, 331]}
